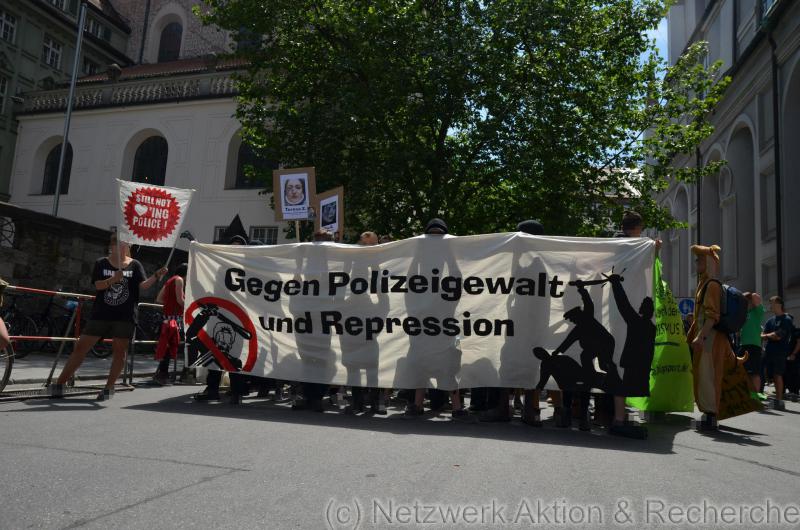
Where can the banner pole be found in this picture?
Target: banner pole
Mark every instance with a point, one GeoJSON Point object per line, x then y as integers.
{"type": "Point", "coordinates": [297, 230]}
{"type": "Point", "coordinates": [171, 252]}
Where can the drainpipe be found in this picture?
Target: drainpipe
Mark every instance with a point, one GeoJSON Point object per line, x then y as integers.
{"type": "Point", "coordinates": [144, 30]}
{"type": "Point", "coordinates": [697, 161]}
{"type": "Point", "coordinates": [776, 135]}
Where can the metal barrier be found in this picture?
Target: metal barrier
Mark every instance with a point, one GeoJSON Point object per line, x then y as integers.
{"type": "Point", "coordinates": [74, 327]}
{"type": "Point", "coordinates": [127, 374]}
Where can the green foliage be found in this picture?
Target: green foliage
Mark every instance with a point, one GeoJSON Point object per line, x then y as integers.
{"type": "Point", "coordinates": [482, 113]}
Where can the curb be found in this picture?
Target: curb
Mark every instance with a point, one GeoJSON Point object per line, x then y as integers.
{"type": "Point", "coordinates": [94, 377]}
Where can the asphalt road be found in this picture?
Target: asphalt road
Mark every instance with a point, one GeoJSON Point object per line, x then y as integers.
{"type": "Point", "coordinates": [152, 458]}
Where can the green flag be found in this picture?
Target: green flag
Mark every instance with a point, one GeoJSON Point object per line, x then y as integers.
{"type": "Point", "coordinates": [671, 388]}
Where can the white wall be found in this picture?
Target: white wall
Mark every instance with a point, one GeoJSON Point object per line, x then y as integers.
{"type": "Point", "coordinates": [198, 135]}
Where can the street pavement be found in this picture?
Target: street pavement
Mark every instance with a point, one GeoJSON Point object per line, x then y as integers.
{"type": "Point", "coordinates": [153, 458]}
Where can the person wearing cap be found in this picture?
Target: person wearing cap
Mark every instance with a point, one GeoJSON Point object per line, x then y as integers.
{"type": "Point", "coordinates": [438, 398]}
{"type": "Point", "coordinates": [710, 348]}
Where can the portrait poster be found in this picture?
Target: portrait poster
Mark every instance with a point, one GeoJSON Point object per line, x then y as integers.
{"type": "Point", "coordinates": [329, 207]}
{"type": "Point", "coordinates": [294, 190]}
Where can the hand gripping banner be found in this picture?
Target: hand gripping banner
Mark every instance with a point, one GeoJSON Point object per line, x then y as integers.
{"type": "Point", "coordinates": [497, 310]}
{"type": "Point", "coordinates": [151, 215]}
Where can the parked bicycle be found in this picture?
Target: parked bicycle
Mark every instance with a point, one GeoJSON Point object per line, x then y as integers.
{"type": "Point", "coordinates": [19, 324]}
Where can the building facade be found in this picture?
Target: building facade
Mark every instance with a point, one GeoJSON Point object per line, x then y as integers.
{"type": "Point", "coordinates": [37, 50]}
{"type": "Point", "coordinates": [168, 120]}
{"type": "Point", "coordinates": [750, 208]}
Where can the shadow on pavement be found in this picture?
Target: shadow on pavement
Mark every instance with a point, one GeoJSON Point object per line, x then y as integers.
{"type": "Point", "coordinates": [660, 440]}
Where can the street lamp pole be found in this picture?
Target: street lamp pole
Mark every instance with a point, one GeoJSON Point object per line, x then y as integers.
{"type": "Point", "coordinates": [68, 117]}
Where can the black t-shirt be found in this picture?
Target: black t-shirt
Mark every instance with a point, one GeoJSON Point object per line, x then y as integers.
{"type": "Point", "coordinates": [119, 301]}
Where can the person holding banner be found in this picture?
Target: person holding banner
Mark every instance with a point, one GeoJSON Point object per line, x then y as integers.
{"type": "Point", "coordinates": [119, 279]}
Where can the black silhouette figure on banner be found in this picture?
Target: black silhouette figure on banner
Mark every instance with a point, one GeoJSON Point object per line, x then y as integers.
{"type": "Point", "coordinates": [566, 371]}
{"type": "Point", "coordinates": [223, 334]}
{"type": "Point", "coordinates": [594, 339]}
{"type": "Point", "coordinates": [637, 354]}
{"type": "Point", "coordinates": [568, 375]}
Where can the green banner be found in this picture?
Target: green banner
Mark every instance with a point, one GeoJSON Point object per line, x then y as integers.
{"type": "Point", "coordinates": [671, 388]}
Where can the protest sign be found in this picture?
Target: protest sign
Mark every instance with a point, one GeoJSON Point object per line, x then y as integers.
{"type": "Point", "coordinates": [151, 215]}
{"type": "Point", "coordinates": [430, 311]}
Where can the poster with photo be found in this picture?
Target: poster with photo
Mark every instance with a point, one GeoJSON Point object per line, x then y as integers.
{"type": "Point", "coordinates": [330, 212]}
{"type": "Point", "coordinates": [294, 191]}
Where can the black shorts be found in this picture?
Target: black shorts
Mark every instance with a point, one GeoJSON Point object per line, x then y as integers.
{"type": "Point", "coordinates": [753, 363]}
{"type": "Point", "coordinates": [109, 329]}
{"type": "Point", "coordinates": [775, 364]}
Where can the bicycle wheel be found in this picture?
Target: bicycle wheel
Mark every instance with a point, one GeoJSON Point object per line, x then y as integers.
{"type": "Point", "coordinates": [6, 363]}
{"type": "Point", "coordinates": [23, 326]}
{"type": "Point", "coordinates": [101, 350]}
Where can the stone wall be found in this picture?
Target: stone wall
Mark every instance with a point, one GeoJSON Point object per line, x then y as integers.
{"type": "Point", "coordinates": [197, 39]}
{"type": "Point", "coordinates": [46, 252]}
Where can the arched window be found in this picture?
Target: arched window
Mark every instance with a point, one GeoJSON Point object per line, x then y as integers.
{"type": "Point", "coordinates": [51, 171]}
{"type": "Point", "coordinates": [150, 161]}
{"type": "Point", "coordinates": [169, 46]}
{"type": "Point", "coordinates": [248, 157]}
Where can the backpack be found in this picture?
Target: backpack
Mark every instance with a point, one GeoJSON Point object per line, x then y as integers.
{"type": "Point", "coordinates": [733, 308]}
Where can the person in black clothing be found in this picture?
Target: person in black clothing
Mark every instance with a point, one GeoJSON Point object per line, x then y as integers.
{"type": "Point", "coordinates": [113, 313]}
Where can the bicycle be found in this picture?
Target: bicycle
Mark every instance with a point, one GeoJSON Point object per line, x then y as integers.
{"type": "Point", "coordinates": [19, 325]}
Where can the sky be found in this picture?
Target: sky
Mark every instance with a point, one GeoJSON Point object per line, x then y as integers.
{"type": "Point", "coordinates": [660, 34]}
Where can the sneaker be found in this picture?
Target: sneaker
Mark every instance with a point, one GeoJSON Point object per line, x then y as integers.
{"type": "Point", "coordinates": [707, 423]}
{"type": "Point", "coordinates": [532, 418]}
{"type": "Point", "coordinates": [761, 396]}
{"type": "Point", "coordinates": [628, 430]}
{"type": "Point", "coordinates": [56, 391]}
{"type": "Point", "coordinates": [413, 411]}
{"type": "Point", "coordinates": [779, 405]}
{"type": "Point", "coordinates": [205, 395]}
{"type": "Point", "coordinates": [105, 394]}
{"type": "Point", "coordinates": [462, 416]}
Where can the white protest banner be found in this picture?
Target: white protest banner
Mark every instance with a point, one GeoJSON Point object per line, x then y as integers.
{"type": "Point", "coordinates": [430, 311]}
{"type": "Point", "coordinates": [151, 215]}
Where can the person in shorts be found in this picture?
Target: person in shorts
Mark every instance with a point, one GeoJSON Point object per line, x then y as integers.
{"type": "Point", "coordinates": [750, 340]}
{"type": "Point", "coordinates": [118, 286]}
{"type": "Point", "coordinates": [778, 333]}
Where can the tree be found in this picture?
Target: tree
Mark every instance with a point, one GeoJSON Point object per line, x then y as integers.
{"type": "Point", "coordinates": [482, 113]}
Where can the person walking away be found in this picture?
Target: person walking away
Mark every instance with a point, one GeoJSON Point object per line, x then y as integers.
{"type": "Point", "coordinates": [118, 286]}
{"type": "Point", "coordinates": [171, 296]}
{"type": "Point", "coordinates": [778, 333]}
{"type": "Point", "coordinates": [750, 340]}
